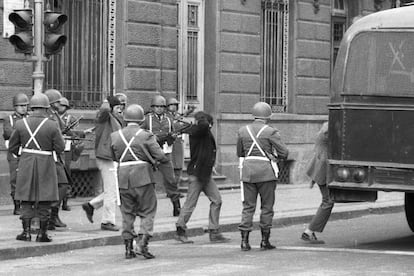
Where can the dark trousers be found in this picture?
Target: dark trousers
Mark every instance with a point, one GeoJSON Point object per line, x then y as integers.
{"type": "Point", "coordinates": [29, 210]}
{"type": "Point", "coordinates": [266, 190]}
{"type": "Point", "coordinates": [63, 188]}
{"type": "Point", "coordinates": [321, 217]}
{"type": "Point", "coordinates": [194, 189]}
{"type": "Point", "coordinates": [170, 184]}
{"type": "Point", "coordinates": [142, 202]}
{"type": "Point", "coordinates": [13, 164]}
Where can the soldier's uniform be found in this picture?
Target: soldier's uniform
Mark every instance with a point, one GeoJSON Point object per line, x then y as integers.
{"type": "Point", "coordinates": [256, 143]}
{"type": "Point", "coordinates": [135, 179]}
{"type": "Point", "coordinates": [40, 141]}
{"type": "Point", "coordinates": [162, 126]}
{"type": "Point", "coordinates": [8, 127]}
{"type": "Point", "coordinates": [177, 154]}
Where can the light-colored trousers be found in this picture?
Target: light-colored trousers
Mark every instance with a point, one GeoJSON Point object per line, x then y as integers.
{"type": "Point", "coordinates": [107, 199]}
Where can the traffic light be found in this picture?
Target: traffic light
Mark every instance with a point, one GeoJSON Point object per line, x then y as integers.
{"type": "Point", "coordinates": [54, 39]}
{"type": "Point", "coordinates": [22, 39]}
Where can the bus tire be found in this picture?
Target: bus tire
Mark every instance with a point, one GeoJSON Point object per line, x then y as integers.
{"type": "Point", "coordinates": [409, 209]}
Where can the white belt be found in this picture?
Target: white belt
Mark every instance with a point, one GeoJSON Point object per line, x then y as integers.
{"type": "Point", "coordinates": [42, 152]}
{"type": "Point", "coordinates": [130, 163]}
{"type": "Point", "coordinates": [257, 158]}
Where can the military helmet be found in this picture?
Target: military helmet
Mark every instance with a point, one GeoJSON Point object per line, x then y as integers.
{"type": "Point", "coordinates": [20, 99]}
{"type": "Point", "coordinates": [53, 95]}
{"type": "Point", "coordinates": [262, 110]}
{"type": "Point", "coordinates": [134, 113]}
{"type": "Point", "coordinates": [158, 100]}
{"type": "Point", "coordinates": [121, 97]}
{"type": "Point", "coordinates": [171, 101]}
{"type": "Point", "coordinates": [40, 101]}
{"type": "Point", "coordinates": [63, 101]}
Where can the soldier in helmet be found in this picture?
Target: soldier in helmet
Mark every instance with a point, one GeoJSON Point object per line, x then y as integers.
{"type": "Point", "coordinates": [20, 102]}
{"type": "Point", "coordinates": [162, 126]}
{"type": "Point", "coordinates": [258, 148]}
{"type": "Point", "coordinates": [108, 120]}
{"type": "Point", "coordinates": [38, 139]}
{"type": "Point", "coordinates": [177, 154]}
{"type": "Point", "coordinates": [54, 97]}
{"type": "Point", "coordinates": [134, 148]}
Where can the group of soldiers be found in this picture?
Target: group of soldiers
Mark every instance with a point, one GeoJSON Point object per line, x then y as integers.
{"type": "Point", "coordinates": [130, 146]}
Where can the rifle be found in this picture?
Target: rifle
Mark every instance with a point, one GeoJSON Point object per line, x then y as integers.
{"type": "Point", "coordinates": [72, 125]}
{"type": "Point", "coordinates": [76, 138]}
{"type": "Point", "coordinates": [171, 136]}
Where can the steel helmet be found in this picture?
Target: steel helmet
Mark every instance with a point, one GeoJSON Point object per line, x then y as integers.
{"type": "Point", "coordinates": [158, 100]}
{"type": "Point", "coordinates": [134, 113]}
{"type": "Point", "coordinates": [39, 100]}
{"type": "Point", "coordinates": [53, 95]}
{"type": "Point", "coordinates": [20, 99]}
{"type": "Point", "coordinates": [262, 110]}
{"type": "Point", "coordinates": [63, 101]}
{"type": "Point", "coordinates": [121, 97]}
{"type": "Point", "coordinates": [171, 101]}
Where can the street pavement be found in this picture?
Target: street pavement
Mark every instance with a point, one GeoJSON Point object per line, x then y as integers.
{"type": "Point", "coordinates": [295, 204]}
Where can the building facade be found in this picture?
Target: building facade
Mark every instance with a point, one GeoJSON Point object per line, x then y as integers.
{"type": "Point", "coordinates": [220, 55]}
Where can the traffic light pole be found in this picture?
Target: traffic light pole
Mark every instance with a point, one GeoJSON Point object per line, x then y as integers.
{"type": "Point", "coordinates": [38, 74]}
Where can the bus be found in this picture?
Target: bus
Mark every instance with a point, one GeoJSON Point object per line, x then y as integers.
{"type": "Point", "coordinates": [371, 110]}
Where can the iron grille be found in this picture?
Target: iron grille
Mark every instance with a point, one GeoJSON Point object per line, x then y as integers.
{"type": "Point", "coordinates": [80, 70]}
{"type": "Point", "coordinates": [84, 182]}
{"type": "Point", "coordinates": [192, 54]}
{"type": "Point", "coordinates": [284, 172]}
{"type": "Point", "coordinates": [275, 25]}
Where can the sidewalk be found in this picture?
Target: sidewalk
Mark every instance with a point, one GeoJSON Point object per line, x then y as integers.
{"type": "Point", "coordinates": [295, 204]}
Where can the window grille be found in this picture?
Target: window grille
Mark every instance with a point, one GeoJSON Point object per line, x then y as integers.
{"type": "Point", "coordinates": [80, 70]}
{"type": "Point", "coordinates": [275, 39]}
{"type": "Point", "coordinates": [192, 36]}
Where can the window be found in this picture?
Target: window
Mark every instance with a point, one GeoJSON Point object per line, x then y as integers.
{"type": "Point", "coordinates": [274, 72]}
{"type": "Point", "coordinates": [190, 77]}
{"type": "Point", "coordinates": [338, 28]}
{"type": "Point", "coordinates": [81, 70]}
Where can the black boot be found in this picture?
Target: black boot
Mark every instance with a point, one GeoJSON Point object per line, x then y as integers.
{"type": "Point", "coordinates": [129, 250]}
{"type": "Point", "coordinates": [42, 235]}
{"type": "Point", "coordinates": [143, 245]}
{"type": "Point", "coordinates": [16, 210]}
{"type": "Point", "coordinates": [265, 244]}
{"type": "Point", "coordinates": [245, 246]}
{"type": "Point", "coordinates": [65, 205]}
{"type": "Point", "coordinates": [54, 219]}
{"type": "Point", "coordinates": [25, 235]}
{"type": "Point", "coordinates": [176, 207]}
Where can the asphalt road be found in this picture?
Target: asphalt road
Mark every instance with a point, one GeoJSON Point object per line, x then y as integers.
{"type": "Point", "coordinates": [370, 245]}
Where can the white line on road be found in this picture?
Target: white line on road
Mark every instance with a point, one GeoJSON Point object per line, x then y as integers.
{"type": "Point", "coordinates": [319, 249]}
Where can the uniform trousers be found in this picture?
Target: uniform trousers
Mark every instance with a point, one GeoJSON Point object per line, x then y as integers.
{"type": "Point", "coordinates": [266, 190]}
{"type": "Point", "coordinates": [13, 165]}
{"type": "Point", "coordinates": [170, 184]}
{"type": "Point", "coordinates": [29, 209]}
{"type": "Point", "coordinates": [107, 199]}
{"type": "Point", "coordinates": [142, 202]}
{"type": "Point", "coordinates": [321, 217]}
{"type": "Point", "coordinates": [194, 189]}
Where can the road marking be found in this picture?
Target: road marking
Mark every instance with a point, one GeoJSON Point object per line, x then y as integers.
{"type": "Point", "coordinates": [306, 248]}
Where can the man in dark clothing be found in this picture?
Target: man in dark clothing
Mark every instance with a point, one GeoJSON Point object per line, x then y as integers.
{"type": "Point", "coordinates": [39, 140]}
{"type": "Point", "coordinates": [203, 157]}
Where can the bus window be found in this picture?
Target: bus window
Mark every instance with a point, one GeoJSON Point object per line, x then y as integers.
{"type": "Point", "coordinates": [381, 63]}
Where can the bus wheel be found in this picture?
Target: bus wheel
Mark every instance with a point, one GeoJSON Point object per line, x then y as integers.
{"type": "Point", "coordinates": [409, 209]}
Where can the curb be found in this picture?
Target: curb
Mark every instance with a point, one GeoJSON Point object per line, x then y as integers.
{"type": "Point", "coordinates": [40, 249]}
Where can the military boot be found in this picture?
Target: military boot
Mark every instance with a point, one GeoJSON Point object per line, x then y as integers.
{"type": "Point", "coordinates": [143, 245]}
{"type": "Point", "coordinates": [265, 244]}
{"type": "Point", "coordinates": [54, 220]}
{"type": "Point", "coordinates": [65, 205]}
{"type": "Point", "coordinates": [16, 210]}
{"type": "Point", "coordinates": [245, 246]}
{"type": "Point", "coordinates": [42, 235]}
{"type": "Point", "coordinates": [25, 235]}
{"type": "Point", "coordinates": [129, 250]}
{"type": "Point", "coordinates": [176, 207]}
